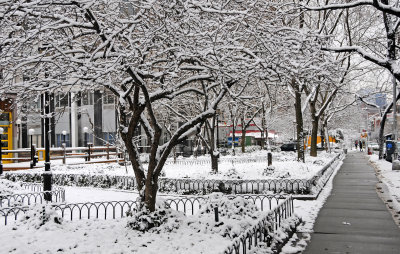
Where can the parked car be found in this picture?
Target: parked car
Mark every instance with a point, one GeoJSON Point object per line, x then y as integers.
{"type": "Point", "coordinates": [288, 147]}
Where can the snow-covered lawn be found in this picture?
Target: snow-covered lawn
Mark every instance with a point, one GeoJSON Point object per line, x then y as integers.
{"type": "Point", "coordinates": [198, 233]}
{"type": "Point", "coordinates": [285, 165]}
{"type": "Point", "coordinates": [179, 234]}
{"type": "Point", "coordinates": [88, 194]}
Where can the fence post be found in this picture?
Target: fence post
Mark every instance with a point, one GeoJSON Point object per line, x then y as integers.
{"type": "Point", "coordinates": [269, 159]}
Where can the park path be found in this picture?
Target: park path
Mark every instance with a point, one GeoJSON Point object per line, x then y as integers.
{"type": "Point", "coordinates": [354, 219]}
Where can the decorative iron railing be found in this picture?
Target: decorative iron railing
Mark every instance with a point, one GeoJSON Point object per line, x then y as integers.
{"type": "Point", "coordinates": [263, 231]}
{"type": "Point", "coordinates": [35, 196]}
{"type": "Point", "coordinates": [206, 161]}
{"type": "Point", "coordinates": [119, 209]}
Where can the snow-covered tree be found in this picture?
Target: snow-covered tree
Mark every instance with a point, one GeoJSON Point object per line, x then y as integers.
{"type": "Point", "coordinates": [145, 52]}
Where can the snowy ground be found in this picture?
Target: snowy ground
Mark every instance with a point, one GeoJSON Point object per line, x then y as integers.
{"type": "Point", "coordinates": [180, 234]}
{"type": "Point", "coordinates": [284, 165]}
{"type": "Point", "coordinates": [195, 234]}
{"type": "Point", "coordinates": [389, 177]}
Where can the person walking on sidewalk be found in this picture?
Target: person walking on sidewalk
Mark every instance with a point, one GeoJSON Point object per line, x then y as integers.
{"type": "Point", "coordinates": [361, 146]}
{"type": "Point", "coordinates": [356, 144]}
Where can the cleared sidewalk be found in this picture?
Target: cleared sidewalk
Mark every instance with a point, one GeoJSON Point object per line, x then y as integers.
{"type": "Point", "coordinates": [354, 219]}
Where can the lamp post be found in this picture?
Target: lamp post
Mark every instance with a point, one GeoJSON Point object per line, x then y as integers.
{"type": "Point", "coordinates": [18, 123]}
{"type": "Point", "coordinates": [85, 131]}
{"type": "Point", "coordinates": [1, 152]}
{"type": "Point", "coordinates": [31, 132]}
{"type": "Point", "coordinates": [64, 133]}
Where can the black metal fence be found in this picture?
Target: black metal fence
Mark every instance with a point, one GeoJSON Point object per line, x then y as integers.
{"type": "Point", "coordinates": [263, 231]}
{"type": "Point", "coordinates": [186, 186]}
{"type": "Point", "coordinates": [206, 161]}
{"type": "Point", "coordinates": [119, 209]}
{"type": "Point", "coordinates": [35, 196]}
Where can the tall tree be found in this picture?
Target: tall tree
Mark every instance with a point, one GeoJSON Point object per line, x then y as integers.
{"type": "Point", "coordinates": [145, 52]}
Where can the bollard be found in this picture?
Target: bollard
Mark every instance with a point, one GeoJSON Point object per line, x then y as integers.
{"type": "Point", "coordinates": [216, 214]}
{"type": "Point", "coordinates": [269, 159]}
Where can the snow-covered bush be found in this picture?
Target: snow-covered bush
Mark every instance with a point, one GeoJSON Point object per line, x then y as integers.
{"type": "Point", "coordinates": [232, 173]}
{"type": "Point", "coordinates": [8, 187]}
{"type": "Point", "coordinates": [268, 171]}
{"type": "Point", "coordinates": [235, 216]}
{"type": "Point", "coordinates": [162, 219]}
{"type": "Point", "coordinates": [40, 215]}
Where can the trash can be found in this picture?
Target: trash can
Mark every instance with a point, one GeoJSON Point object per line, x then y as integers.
{"type": "Point", "coordinates": [345, 151]}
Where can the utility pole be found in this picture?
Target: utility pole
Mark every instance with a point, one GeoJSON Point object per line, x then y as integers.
{"type": "Point", "coordinates": [394, 119]}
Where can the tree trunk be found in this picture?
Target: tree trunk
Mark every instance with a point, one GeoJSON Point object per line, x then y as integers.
{"type": "Point", "coordinates": [328, 147]}
{"type": "Point", "coordinates": [214, 163]}
{"type": "Point", "coordinates": [299, 126]}
{"type": "Point", "coordinates": [233, 138]}
{"type": "Point", "coordinates": [213, 148]}
{"type": "Point", "coordinates": [314, 137]}
{"type": "Point", "coordinates": [243, 141]}
{"type": "Point", "coordinates": [150, 194]}
{"type": "Point", "coordinates": [263, 127]}
{"type": "Point", "coordinates": [323, 139]}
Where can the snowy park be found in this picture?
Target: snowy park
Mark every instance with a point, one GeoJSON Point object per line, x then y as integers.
{"type": "Point", "coordinates": [199, 126]}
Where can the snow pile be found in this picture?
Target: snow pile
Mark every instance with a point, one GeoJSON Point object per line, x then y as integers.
{"type": "Point", "coordinates": [40, 216]}
{"type": "Point", "coordinates": [144, 220]}
{"type": "Point", "coordinates": [235, 216]}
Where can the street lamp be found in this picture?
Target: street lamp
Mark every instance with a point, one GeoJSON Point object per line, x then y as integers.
{"type": "Point", "coordinates": [1, 153]}
{"type": "Point", "coordinates": [18, 123]}
{"type": "Point", "coordinates": [31, 132]}
{"type": "Point", "coordinates": [64, 133]}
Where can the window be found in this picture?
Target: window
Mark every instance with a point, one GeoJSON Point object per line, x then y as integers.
{"type": "Point", "coordinates": [60, 140]}
{"type": "Point", "coordinates": [109, 137]}
{"type": "Point", "coordinates": [108, 98]}
{"type": "Point", "coordinates": [61, 100]}
{"type": "Point", "coordinates": [5, 118]}
{"type": "Point", "coordinates": [87, 98]}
